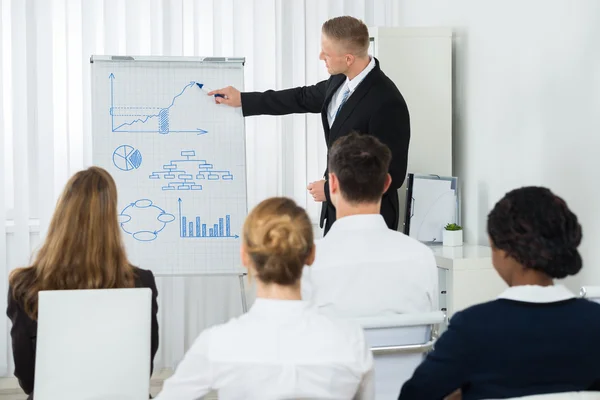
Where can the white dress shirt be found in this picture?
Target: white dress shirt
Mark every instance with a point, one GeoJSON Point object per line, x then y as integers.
{"type": "Point", "coordinates": [537, 294]}
{"type": "Point", "coordinates": [362, 268]}
{"type": "Point", "coordinates": [280, 349]}
{"type": "Point", "coordinates": [349, 84]}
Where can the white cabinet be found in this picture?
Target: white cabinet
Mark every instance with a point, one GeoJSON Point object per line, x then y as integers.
{"type": "Point", "coordinates": [419, 62]}
{"type": "Point", "coordinates": [466, 277]}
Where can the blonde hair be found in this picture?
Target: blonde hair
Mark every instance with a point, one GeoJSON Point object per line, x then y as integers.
{"type": "Point", "coordinates": [83, 247]}
{"type": "Point", "coordinates": [279, 239]}
{"type": "Point", "coordinates": [351, 32]}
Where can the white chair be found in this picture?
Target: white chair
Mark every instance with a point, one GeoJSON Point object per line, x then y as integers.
{"type": "Point", "coordinates": [399, 343]}
{"type": "Point", "coordinates": [591, 293]}
{"type": "Point", "coordinates": [93, 344]}
{"type": "Point", "coordinates": [562, 396]}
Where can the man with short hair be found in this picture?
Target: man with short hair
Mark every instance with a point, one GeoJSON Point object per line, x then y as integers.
{"type": "Point", "coordinates": [362, 268]}
{"type": "Point", "coordinates": [357, 97]}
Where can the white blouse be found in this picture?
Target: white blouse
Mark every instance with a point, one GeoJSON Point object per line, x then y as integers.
{"type": "Point", "coordinates": [280, 349]}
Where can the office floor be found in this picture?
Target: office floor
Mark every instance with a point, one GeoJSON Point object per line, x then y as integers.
{"type": "Point", "coordinates": [9, 389]}
{"type": "Point", "coordinates": [11, 394]}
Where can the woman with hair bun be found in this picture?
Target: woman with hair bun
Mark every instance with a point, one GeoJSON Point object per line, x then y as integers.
{"type": "Point", "coordinates": [537, 337]}
{"type": "Point", "coordinates": [281, 348]}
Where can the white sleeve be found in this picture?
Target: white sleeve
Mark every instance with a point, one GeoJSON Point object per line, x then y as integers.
{"type": "Point", "coordinates": [193, 377]}
{"type": "Point", "coordinates": [366, 389]}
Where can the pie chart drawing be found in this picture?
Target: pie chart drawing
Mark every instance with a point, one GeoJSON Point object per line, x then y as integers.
{"type": "Point", "coordinates": [127, 158]}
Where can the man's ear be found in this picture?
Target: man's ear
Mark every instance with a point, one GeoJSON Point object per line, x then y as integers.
{"type": "Point", "coordinates": [388, 182]}
{"type": "Point", "coordinates": [334, 183]}
{"type": "Point", "coordinates": [350, 59]}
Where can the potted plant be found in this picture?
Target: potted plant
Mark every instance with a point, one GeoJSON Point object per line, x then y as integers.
{"type": "Point", "coordinates": [453, 235]}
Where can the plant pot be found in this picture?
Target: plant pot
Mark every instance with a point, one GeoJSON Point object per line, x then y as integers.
{"type": "Point", "coordinates": [452, 238]}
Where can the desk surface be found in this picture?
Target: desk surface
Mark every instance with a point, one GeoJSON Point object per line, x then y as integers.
{"type": "Point", "coordinates": [465, 251]}
{"type": "Point", "coordinates": [463, 257]}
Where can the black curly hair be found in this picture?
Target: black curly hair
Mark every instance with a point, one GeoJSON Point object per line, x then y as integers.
{"type": "Point", "coordinates": [536, 228]}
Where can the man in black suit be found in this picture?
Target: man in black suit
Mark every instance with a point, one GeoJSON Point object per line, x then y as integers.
{"type": "Point", "coordinates": [357, 97]}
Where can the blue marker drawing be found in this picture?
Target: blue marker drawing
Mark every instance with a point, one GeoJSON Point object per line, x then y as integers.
{"type": "Point", "coordinates": [188, 172]}
{"type": "Point", "coordinates": [126, 158]}
{"type": "Point", "coordinates": [143, 220]}
{"type": "Point", "coordinates": [146, 119]}
{"type": "Point", "coordinates": [194, 228]}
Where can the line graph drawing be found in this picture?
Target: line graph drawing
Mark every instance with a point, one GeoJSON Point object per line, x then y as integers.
{"type": "Point", "coordinates": [146, 119]}
{"type": "Point", "coordinates": [185, 173]}
{"type": "Point", "coordinates": [143, 220]}
{"type": "Point", "coordinates": [193, 228]}
{"type": "Point", "coordinates": [127, 158]}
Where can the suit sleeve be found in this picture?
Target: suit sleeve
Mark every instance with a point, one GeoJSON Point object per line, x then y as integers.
{"type": "Point", "coordinates": [305, 99]}
{"type": "Point", "coordinates": [23, 334]}
{"type": "Point", "coordinates": [391, 125]}
{"type": "Point", "coordinates": [445, 369]}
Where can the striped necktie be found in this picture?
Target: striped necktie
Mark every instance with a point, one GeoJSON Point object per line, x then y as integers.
{"type": "Point", "coordinates": [344, 98]}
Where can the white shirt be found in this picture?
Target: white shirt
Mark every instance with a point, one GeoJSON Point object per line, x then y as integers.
{"type": "Point", "coordinates": [362, 268]}
{"type": "Point", "coordinates": [349, 84]}
{"type": "Point", "coordinates": [537, 294]}
{"type": "Point", "coordinates": [280, 349]}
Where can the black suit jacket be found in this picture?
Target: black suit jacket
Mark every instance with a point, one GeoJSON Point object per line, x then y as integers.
{"type": "Point", "coordinates": [376, 107]}
{"type": "Point", "coordinates": [24, 332]}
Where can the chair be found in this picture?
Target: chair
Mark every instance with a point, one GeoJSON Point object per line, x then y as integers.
{"type": "Point", "coordinates": [591, 293]}
{"type": "Point", "coordinates": [399, 343]}
{"type": "Point", "coordinates": [93, 344]}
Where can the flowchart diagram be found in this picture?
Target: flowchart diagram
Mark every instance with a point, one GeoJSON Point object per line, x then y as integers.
{"type": "Point", "coordinates": [144, 220]}
{"type": "Point", "coordinates": [188, 172]}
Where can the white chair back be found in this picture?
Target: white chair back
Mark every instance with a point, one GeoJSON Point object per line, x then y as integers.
{"type": "Point", "coordinates": [399, 343]}
{"type": "Point", "coordinates": [93, 344]}
{"type": "Point", "coordinates": [591, 293]}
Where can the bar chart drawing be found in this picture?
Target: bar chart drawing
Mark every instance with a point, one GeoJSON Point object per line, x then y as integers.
{"type": "Point", "coordinates": [196, 228]}
{"type": "Point", "coordinates": [187, 172]}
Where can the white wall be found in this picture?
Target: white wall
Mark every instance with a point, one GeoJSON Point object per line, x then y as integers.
{"type": "Point", "coordinates": [527, 104]}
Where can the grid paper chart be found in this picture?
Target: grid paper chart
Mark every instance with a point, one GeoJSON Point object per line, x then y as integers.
{"type": "Point", "coordinates": [178, 160]}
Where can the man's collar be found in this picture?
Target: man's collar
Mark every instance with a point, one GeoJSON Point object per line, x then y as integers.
{"type": "Point", "coordinates": [359, 221]}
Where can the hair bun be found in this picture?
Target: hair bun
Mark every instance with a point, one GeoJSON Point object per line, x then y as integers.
{"type": "Point", "coordinates": [565, 263]}
{"type": "Point", "coordinates": [537, 229]}
{"type": "Point", "coordinates": [280, 237]}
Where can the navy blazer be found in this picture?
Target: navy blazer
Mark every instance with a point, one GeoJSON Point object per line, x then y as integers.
{"type": "Point", "coordinates": [507, 348]}
{"type": "Point", "coordinates": [376, 107]}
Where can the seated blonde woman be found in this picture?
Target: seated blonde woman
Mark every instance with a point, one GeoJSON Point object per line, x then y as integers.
{"type": "Point", "coordinates": [82, 250]}
{"type": "Point", "coordinates": [282, 348]}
